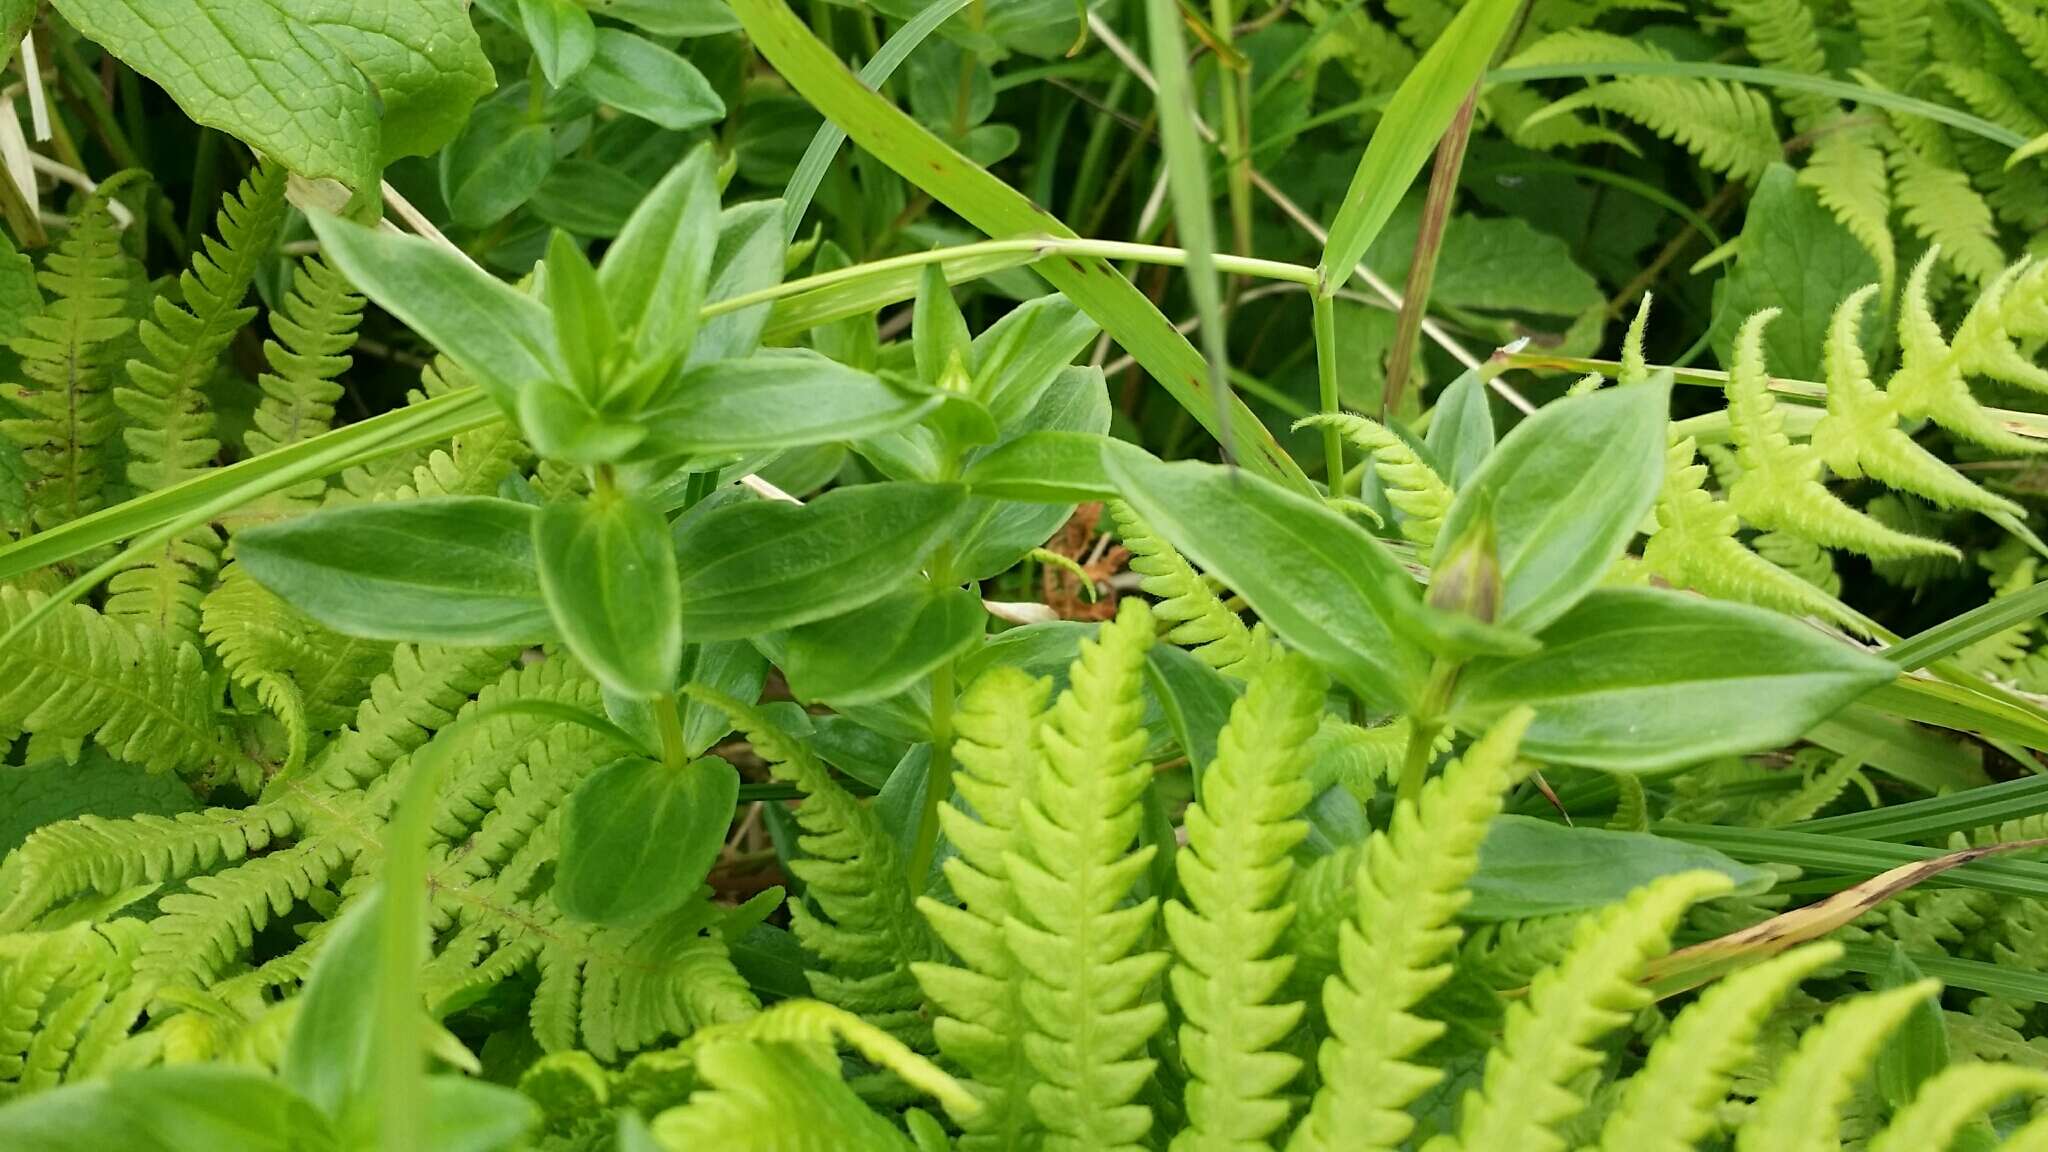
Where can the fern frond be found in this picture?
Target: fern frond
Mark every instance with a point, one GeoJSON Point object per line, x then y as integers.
{"type": "Point", "coordinates": [1936, 199]}
{"type": "Point", "coordinates": [1848, 175]}
{"type": "Point", "coordinates": [1085, 980]}
{"type": "Point", "coordinates": [1548, 1040]}
{"type": "Point", "coordinates": [91, 854]}
{"type": "Point", "coordinates": [315, 326]}
{"type": "Point", "coordinates": [1780, 34]}
{"type": "Point", "coordinates": [1780, 486]}
{"type": "Point", "coordinates": [268, 645]}
{"type": "Point", "coordinates": [763, 1096]}
{"type": "Point", "coordinates": [1930, 383]}
{"type": "Point", "coordinates": [1894, 35]}
{"type": "Point", "coordinates": [1802, 558]}
{"type": "Point", "coordinates": [1201, 622]}
{"type": "Point", "coordinates": [865, 930]}
{"type": "Point", "coordinates": [2028, 26]}
{"type": "Point", "coordinates": [142, 698]}
{"type": "Point", "coordinates": [473, 464]}
{"type": "Point", "coordinates": [1670, 1105]}
{"type": "Point", "coordinates": [1727, 126]}
{"type": "Point", "coordinates": [1235, 872]}
{"type": "Point", "coordinates": [67, 414]}
{"type": "Point", "coordinates": [982, 1022]}
{"type": "Point", "coordinates": [1802, 1110]}
{"type": "Point", "coordinates": [1951, 1098]}
{"type": "Point", "coordinates": [1860, 435]}
{"type": "Point", "coordinates": [169, 430]}
{"type": "Point", "coordinates": [1412, 486]}
{"type": "Point", "coordinates": [1410, 884]}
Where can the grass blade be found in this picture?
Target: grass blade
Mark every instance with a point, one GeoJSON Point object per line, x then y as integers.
{"type": "Point", "coordinates": [1001, 211]}
{"type": "Point", "coordinates": [1422, 108]}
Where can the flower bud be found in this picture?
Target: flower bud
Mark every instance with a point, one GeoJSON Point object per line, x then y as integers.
{"type": "Point", "coordinates": [1467, 580]}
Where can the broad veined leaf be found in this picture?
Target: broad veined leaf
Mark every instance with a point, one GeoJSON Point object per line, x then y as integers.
{"type": "Point", "coordinates": [1565, 490]}
{"type": "Point", "coordinates": [1049, 468]}
{"type": "Point", "coordinates": [331, 1057]}
{"type": "Point", "coordinates": [608, 570]}
{"type": "Point", "coordinates": [1530, 867]}
{"type": "Point", "coordinates": [499, 336]}
{"type": "Point", "coordinates": [672, 17]}
{"type": "Point", "coordinates": [639, 76]}
{"type": "Point", "coordinates": [15, 18]}
{"type": "Point", "coordinates": [880, 649]}
{"type": "Point", "coordinates": [1643, 680]}
{"type": "Point", "coordinates": [465, 1114]}
{"type": "Point", "coordinates": [455, 570]}
{"type": "Point", "coordinates": [1076, 400]}
{"type": "Point", "coordinates": [1795, 256]}
{"type": "Point", "coordinates": [756, 567]}
{"type": "Point", "coordinates": [776, 399]}
{"type": "Point", "coordinates": [1317, 579]}
{"type": "Point", "coordinates": [332, 88]}
{"type": "Point", "coordinates": [638, 837]}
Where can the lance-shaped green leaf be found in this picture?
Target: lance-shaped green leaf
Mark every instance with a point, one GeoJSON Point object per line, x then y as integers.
{"type": "Point", "coordinates": [878, 650]}
{"type": "Point", "coordinates": [1643, 680]}
{"type": "Point", "coordinates": [563, 35]}
{"type": "Point", "coordinates": [756, 567]}
{"type": "Point", "coordinates": [500, 337]}
{"type": "Point", "coordinates": [639, 837]}
{"type": "Point", "coordinates": [655, 272]}
{"type": "Point", "coordinates": [608, 571]}
{"type": "Point", "coordinates": [639, 76]}
{"type": "Point", "coordinates": [1566, 490]}
{"type": "Point", "coordinates": [776, 399]}
{"type": "Point", "coordinates": [332, 88]}
{"type": "Point", "coordinates": [1418, 113]}
{"type": "Point", "coordinates": [456, 570]}
{"type": "Point", "coordinates": [1320, 581]}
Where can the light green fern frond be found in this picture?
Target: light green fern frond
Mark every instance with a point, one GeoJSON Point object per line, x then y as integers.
{"type": "Point", "coordinates": [1802, 1110]}
{"type": "Point", "coordinates": [1801, 557]}
{"type": "Point", "coordinates": [1780, 486]}
{"type": "Point", "coordinates": [865, 930]}
{"type": "Point", "coordinates": [1931, 383]}
{"type": "Point", "coordinates": [67, 998]}
{"type": "Point", "coordinates": [1526, 1092]}
{"type": "Point", "coordinates": [982, 1021]}
{"type": "Point", "coordinates": [169, 426]}
{"type": "Point", "coordinates": [2029, 28]}
{"type": "Point", "coordinates": [1727, 126]}
{"type": "Point", "coordinates": [1202, 623]}
{"type": "Point", "coordinates": [1894, 35]}
{"type": "Point", "coordinates": [770, 1096]}
{"type": "Point", "coordinates": [1634, 368]}
{"type": "Point", "coordinates": [1847, 173]}
{"type": "Point", "coordinates": [1411, 883]}
{"type": "Point", "coordinates": [67, 414]}
{"type": "Point", "coordinates": [1087, 984]}
{"type": "Point", "coordinates": [268, 645]}
{"type": "Point", "coordinates": [1412, 486]}
{"type": "Point", "coordinates": [1670, 1105]}
{"type": "Point", "coordinates": [1936, 199]}
{"type": "Point", "coordinates": [1860, 435]}
{"type": "Point", "coordinates": [1951, 1098]}
{"type": "Point", "coordinates": [315, 326]}
{"type": "Point", "coordinates": [1235, 872]}
{"type": "Point", "coordinates": [138, 695]}
{"type": "Point", "coordinates": [1780, 34]}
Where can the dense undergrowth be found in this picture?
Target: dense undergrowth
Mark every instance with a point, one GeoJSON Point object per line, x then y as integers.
{"type": "Point", "coordinates": [1004, 575]}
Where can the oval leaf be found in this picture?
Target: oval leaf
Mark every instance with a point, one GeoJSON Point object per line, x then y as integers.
{"type": "Point", "coordinates": [752, 568]}
{"type": "Point", "coordinates": [1320, 581]}
{"type": "Point", "coordinates": [608, 571]}
{"type": "Point", "coordinates": [876, 651]}
{"type": "Point", "coordinates": [777, 400]}
{"type": "Point", "coordinates": [458, 570]}
{"type": "Point", "coordinates": [1530, 867]}
{"type": "Point", "coordinates": [638, 838]}
{"type": "Point", "coordinates": [1566, 490]}
{"type": "Point", "coordinates": [1642, 680]}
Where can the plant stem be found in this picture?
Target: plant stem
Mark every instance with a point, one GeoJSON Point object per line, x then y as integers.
{"type": "Point", "coordinates": [1436, 216]}
{"type": "Point", "coordinates": [1325, 320]}
{"type": "Point", "coordinates": [1427, 723]}
{"type": "Point", "coordinates": [669, 719]}
{"type": "Point", "coordinates": [938, 781]}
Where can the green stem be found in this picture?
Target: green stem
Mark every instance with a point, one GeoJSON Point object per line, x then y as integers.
{"type": "Point", "coordinates": [1324, 317]}
{"type": "Point", "coordinates": [1427, 723]}
{"type": "Point", "coordinates": [669, 719]}
{"type": "Point", "coordinates": [938, 782]}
